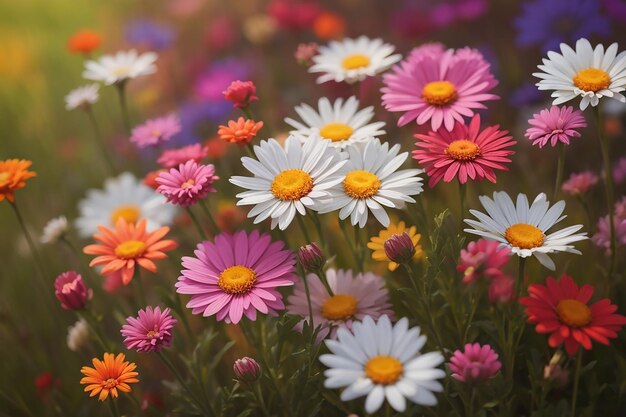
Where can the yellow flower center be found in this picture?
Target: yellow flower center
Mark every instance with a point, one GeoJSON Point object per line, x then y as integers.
{"type": "Point", "coordinates": [355, 61]}
{"type": "Point", "coordinates": [573, 313]}
{"type": "Point", "coordinates": [156, 133]}
{"type": "Point", "coordinates": [187, 184]}
{"type": "Point", "coordinates": [121, 71]}
{"type": "Point", "coordinates": [463, 150]}
{"type": "Point", "coordinates": [336, 132]}
{"type": "Point", "coordinates": [439, 93]}
{"type": "Point", "coordinates": [339, 307]}
{"type": "Point", "coordinates": [4, 178]}
{"type": "Point", "coordinates": [129, 212]}
{"type": "Point", "coordinates": [592, 79]}
{"type": "Point", "coordinates": [524, 236]}
{"type": "Point", "coordinates": [383, 369]}
{"type": "Point", "coordinates": [292, 184]}
{"type": "Point", "coordinates": [109, 383]}
{"type": "Point", "coordinates": [361, 184]}
{"type": "Point", "coordinates": [153, 334]}
{"type": "Point", "coordinates": [237, 279]}
{"type": "Point", "coordinates": [130, 249]}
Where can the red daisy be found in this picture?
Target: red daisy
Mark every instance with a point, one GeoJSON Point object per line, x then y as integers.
{"type": "Point", "coordinates": [562, 309]}
{"type": "Point", "coordinates": [464, 152]}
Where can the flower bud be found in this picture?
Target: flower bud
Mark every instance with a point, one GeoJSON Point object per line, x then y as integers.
{"type": "Point", "coordinates": [305, 52]}
{"type": "Point", "coordinates": [241, 93]}
{"type": "Point", "coordinates": [71, 291]}
{"type": "Point", "coordinates": [311, 257]}
{"type": "Point", "coordinates": [78, 335]}
{"type": "Point", "coordinates": [554, 372]}
{"type": "Point", "coordinates": [247, 369]}
{"type": "Point", "coordinates": [400, 248]}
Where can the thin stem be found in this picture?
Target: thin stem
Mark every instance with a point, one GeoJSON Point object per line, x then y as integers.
{"type": "Point", "coordinates": [520, 276]}
{"type": "Point", "coordinates": [92, 321]}
{"type": "Point", "coordinates": [462, 193]}
{"type": "Point", "coordinates": [608, 183]}
{"type": "Point", "coordinates": [342, 226]}
{"type": "Point", "coordinates": [322, 276]}
{"type": "Point", "coordinates": [583, 202]}
{"type": "Point", "coordinates": [320, 233]}
{"type": "Point", "coordinates": [250, 150]}
{"type": "Point", "coordinates": [31, 244]}
{"type": "Point", "coordinates": [308, 298]}
{"type": "Point", "coordinates": [425, 299]}
{"type": "Point", "coordinates": [559, 171]}
{"type": "Point", "coordinates": [139, 291]}
{"type": "Point", "coordinates": [181, 380]}
{"type": "Point", "coordinates": [246, 110]}
{"type": "Point", "coordinates": [469, 406]}
{"type": "Point", "coordinates": [259, 398]}
{"type": "Point", "coordinates": [195, 221]}
{"type": "Point", "coordinates": [576, 381]}
{"type": "Point", "coordinates": [206, 210]}
{"type": "Point", "coordinates": [358, 247]}
{"type": "Point", "coordinates": [305, 232]}
{"type": "Point", "coordinates": [121, 93]}
{"type": "Point", "coordinates": [115, 412]}
{"type": "Point", "coordinates": [100, 141]}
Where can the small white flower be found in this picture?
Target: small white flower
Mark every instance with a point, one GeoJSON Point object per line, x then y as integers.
{"type": "Point", "coordinates": [54, 230]}
{"type": "Point", "coordinates": [352, 60]}
{"type": "Point", "coordinates": [124, 196]}
{"type": "Point", "coordinates": [78, 335]}
{"type": "Point", "coordinates": [342, 123]}
{"type": "Point", "coordinates": [123, 66]}
{"type": "Point", "coordinates": [82, 97]}
{"type": "Point", "coordinates": [383, 361]}
{"type": "Point", "coordinates": [288, 179]}
{"type": "Point", "coordinates": [523, 229]}
{"type": "Point", "coordinates": [585, 72]}
{"type": "Point", "coordinates": [372, 182]}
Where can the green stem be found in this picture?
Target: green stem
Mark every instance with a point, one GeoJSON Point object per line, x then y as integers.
{"type": "Point", "coordinates": [559, 171]}
{"type": "Point", "coordinates": [115, 412]}
{"type": "Point", "coordinates": [246, 110]}
{"type": "Point", "coordinates": [140, 295]}
{"type": "Point", "coordinates": [322, 276]}
{"type": "Point", "coordinates": [250, 150]}
{"type": "Point", "coordinates": [520, 276]}
{"type": "Point", "coordinates": [342, 226]}
{"type": "Point", "coordinates": [121, 93]}
{"type": "Point", "coordinates": [215, 229]}
{"type": "Point", "coordinates": [576, 381]}
{"type": "Point", "coordinates": [469, 406]}
{"type": "Point", "coordinates": [462, 193]}
{"type": "Point", "coordinates": [305, 232]}
{"type": "Point", "coordinates": [195, 221]}
{"type": "Point", "coordinates": [205, 408]}
{"type": "Point", "coordinates": [358, 247]}
{"type": "Point", "coordinates": [320, 233]}
{"type": "Point", "coordinates": [425, 299]}
{"type": "Point", "coordinates": [100, 141]}
{"type": "Point", "coordinates": [31, 244]}
{"type": "Point", "coordinates": [259, 398]}
{"type": "Point", "coordinates": [308, 299]}
{"type": "Point", "coordinates": [583, 202]}
{"type": "Point", "coordinates": [92, 321]}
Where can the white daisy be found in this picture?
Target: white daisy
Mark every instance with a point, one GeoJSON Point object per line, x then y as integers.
{"type": "Point", "coordinates": [124, 196]}
{"type": "Point", "coordinates": [383, 361]}
{"type": "Point", "coordinates": [523, 229]}
{"type": "Point", "coordinates": [585, 72]}
{"type": "Point", "coordinates": [288, 179]}
{"type": "Point", "coordinates": [54, 230]}
{"type": "Point", "coordinates": [78, 335]}
{"type": "Point", "coordinates": [123, 66]}
{"type": "Point", "coordinates": [373, 182]}
{"type": "Point", "coordinates": [353, 60]}
{"type": "Point", "coordinates": [82, 97]}
{"type": "Point", "coordinates": [342, 123]}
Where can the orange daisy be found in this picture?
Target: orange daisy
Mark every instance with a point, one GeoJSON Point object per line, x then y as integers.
{"type": "Point", "coordinates": [84, 42]}
{"type": "Point", "coordinates": [13, 176]}
{"type": "Point", "coordinates": [240, 132]}
{"type": "Point", "coordinates": [127, 246]}
{"type": "Point", "coordinates": [108, 376]}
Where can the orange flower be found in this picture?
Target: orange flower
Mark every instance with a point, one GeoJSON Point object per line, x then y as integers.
{"type": "Point", "coordinates": [128, 245]}
{"type": "Point", "coordinates": [329, 26]}
{"type": "Point", "coordinates": [84, 42]}
{"type": "Point", "coordinates": [13, 176]}
{"type": "Point", "coordinates": [215, 147]}
{"type": "Point", "coordinates": [240, 132]}
{"type": "Point", "coordinates": [150, 178]}
{"type": "Point", "coordinates": [108, 376]}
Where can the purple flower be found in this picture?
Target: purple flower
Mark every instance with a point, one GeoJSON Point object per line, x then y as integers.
{"type": "Point", "coordinates": [476, 363]}
{"type": "Point", "coordinates": [150, 331]}
{"type": "Point", "coordinates": [70, 290]}
{"type": "Point", "coordinates": [148, 33]}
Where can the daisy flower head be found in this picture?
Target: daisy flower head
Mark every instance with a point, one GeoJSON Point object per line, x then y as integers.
{"type": "Point", "coordinates": [377, 243]}
{"type": "Point", "coordinates": [125, 197]}
{"type": "Point", "coordinates": [355, 296]}
{"type": "Point", "coordinates": [439, 87]}
{"type": "Point", "coordinates": [464, 152]}
{"type": "Point", "coordinates": [289, 179]}
{"type": "Point", "coordinates": [523, 228]}
{"type": "Point", "coordinates": [155, 132]}
{"type": "Point", "coordinates": [54, 230]}
{"type": "Point", "coordinates": [121, 67]}
{"type": "Point", "coordinates": [109, 376]}
{"type": "Point", "coordinates": [171, 158]}
{"type": "Point", "coordinates": [586, 72]}
{"type": "Point", "coordinates": [372, 182]}
{"type": "Point", "coordinates": [127, 247]}
{"type": "Point", "coordinates": [562, 309]}
{"type": "Point", "coordinates": [187, 184]}
{"type": "Point", "coordinates": [352, 60]}
{"type": "Point", "coordinates": [241, 131]}
{"type": "Point", "coordinates": [237, 275]}
{"type": "Point", "coordinates": [341, 122]}
{"type": "Point", "coordinates": [475, 363]}
{"type": "Point", "coordinates": [150, 331]}
{"type": "Point", "coordinates": [13, 176]}
{"type": "Point", "coordinates": [383, 361]}
{"type": "Point", "coordinates": [555, 125]}
{"type": "Point", "coordinates": [82, 97]}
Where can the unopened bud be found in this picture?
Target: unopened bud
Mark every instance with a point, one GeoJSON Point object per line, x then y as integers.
{"type": "Point", "coordinates": [247, 369]}
{"type": "Point", "coordinates": [311, 257]}
{"type": "Point", "coordinates": [400, 248]}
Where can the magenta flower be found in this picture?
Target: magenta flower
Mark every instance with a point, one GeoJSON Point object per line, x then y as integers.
{"type": "Point", "coordinates": [237, 275]}
{"type": "Point", "coordinates": [483, 258]}
{"type": "Point", "coordinates": [580, 183]}
{"type": "Point", "coordinates": [602, 237]}
{"type": "Point", "coordinates": [501, 290]}
{"type": "Point", "coordinates": [171, 158]}
{"type": "Point", "coordinates": [187, 184]}
{"type": "Point", "coordinates": [70, 290]}
{"type": "Point", "coordinates": [619, 170]}
{"type": "Point", "coordinates": [555, 125]}
{"type": "Point", "coordinates": [241, 93]}
{"type": "Point", "coordinates": [156, 131]}
{"type": "Point", "coordinates": [464, 152]}
{"type": "Point", "coordinates": [438, 86]}
{"type": "Point", "coordinates": [247, 370]}
{"type": "Point", "coordinates": [475, 364]}
{"type": "Point", "coordinates": [151, 331]}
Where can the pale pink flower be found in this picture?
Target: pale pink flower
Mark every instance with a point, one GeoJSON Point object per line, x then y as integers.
{"type": "Point", "coordinates": [156, 131]}
{"type": "Point", "coordinates": [171, 158]}
{"type": "Point", "coordinates": [579, 183]}
{"type": "Point", "coordinates": [483, 259]}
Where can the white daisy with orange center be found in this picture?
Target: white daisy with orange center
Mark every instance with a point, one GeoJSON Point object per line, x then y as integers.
{"type": "Point", "coordinates": [523, 228]}
{"type": "Point", "coordinates": [341, 122]}
{"type": "Point", "coordinates": [586, 72]}
{"type": "Point", "coordinates": [352, 60]}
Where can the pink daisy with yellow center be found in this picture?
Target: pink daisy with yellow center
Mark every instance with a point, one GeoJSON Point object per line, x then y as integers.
{"type": "Point", "coordinates": [187, 184]}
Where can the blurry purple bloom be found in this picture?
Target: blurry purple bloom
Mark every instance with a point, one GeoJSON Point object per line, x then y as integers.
{"type": "Point", "coordinates": [210, 84]}
{"type": "Point", "coordinates": [149, 33]}
{"type": "Point", "coordinates": [616, 9]}
{"type": "Point", "coordinates": [525, 95]}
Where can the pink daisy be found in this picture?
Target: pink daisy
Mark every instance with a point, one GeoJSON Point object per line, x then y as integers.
{"type": "Point", "coordinates": [354, 298]}
{"type": "Point", "coordinates": [171, 158]}
{"type": "Point", "coordinates": [237, 275]}
{"type": "Point", "coordinates": [476, 363]}
{"type": "Point", "coordinates": [150, 331]}
{"type": "Point", "coordinates": [580, 183]}
{"type": "Point", "coordinates": [438, 86]}
{"type": "Point", "coordinates": [483, 258]}
{"type": "Point", "coordinates": [187, 184]}
{"type": "Point", "coordinates": [156, 131]}
{"type": "Point", "coordinates": [464, 152]}
{"type": "Point", "coordinates": [555, 125]}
